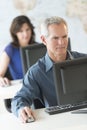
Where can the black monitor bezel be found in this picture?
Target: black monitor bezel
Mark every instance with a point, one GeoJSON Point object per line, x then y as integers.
{"type": "Point", "coordinates": [61, 97]}
{"type": "Point", "coordinates": [25, 53]}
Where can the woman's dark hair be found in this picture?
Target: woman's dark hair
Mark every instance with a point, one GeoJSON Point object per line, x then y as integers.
{"type": "Point", "coordinates": [16, 26]}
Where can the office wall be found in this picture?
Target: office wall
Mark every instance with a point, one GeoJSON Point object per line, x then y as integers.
{"type": "Point", "coordinates": [74, 12]}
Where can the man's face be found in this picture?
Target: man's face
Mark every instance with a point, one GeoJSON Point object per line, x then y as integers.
{"type": "Point", "coordinates": [57, 40]}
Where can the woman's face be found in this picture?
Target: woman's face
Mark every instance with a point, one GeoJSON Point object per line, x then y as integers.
{"type": "Point", "coordinates": [24, 35]}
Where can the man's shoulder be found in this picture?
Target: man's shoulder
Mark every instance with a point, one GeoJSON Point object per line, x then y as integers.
{"type": "Point", "coordinates": [39, 65]}
{"type": "Point", "coordinates": [76, 54]}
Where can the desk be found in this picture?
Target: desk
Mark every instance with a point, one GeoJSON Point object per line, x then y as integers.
{"type": "Point", "coordinates": [44, 121]}
{"type": "Point", "coordinates": [9, 92]}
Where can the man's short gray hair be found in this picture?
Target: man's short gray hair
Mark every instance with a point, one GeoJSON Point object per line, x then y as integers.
{"type": "Point", "coordinates": [49, 21]}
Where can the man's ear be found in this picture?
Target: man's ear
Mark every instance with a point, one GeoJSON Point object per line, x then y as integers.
{"type": "Point", "coordinates": [43, 39]}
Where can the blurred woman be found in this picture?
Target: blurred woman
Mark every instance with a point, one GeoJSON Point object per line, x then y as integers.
{"type": "Point", "coordinates": [22, 32]}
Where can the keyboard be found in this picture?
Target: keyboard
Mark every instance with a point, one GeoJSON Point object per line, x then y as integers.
{"type": "Point", "coordinates": [59, 109]}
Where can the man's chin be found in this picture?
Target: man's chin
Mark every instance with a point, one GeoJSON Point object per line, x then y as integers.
{"type": "Point", "coordinates": [60, 53]}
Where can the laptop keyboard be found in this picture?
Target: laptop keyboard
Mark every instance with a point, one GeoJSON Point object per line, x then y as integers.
{"type": "Point", "coordinates": [59, 109]}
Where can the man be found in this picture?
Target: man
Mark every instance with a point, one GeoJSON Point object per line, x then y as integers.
{"type": "Point", "coordinates": [38, 82]}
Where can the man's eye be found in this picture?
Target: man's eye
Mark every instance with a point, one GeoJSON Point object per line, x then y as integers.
{"type": "Point", "coordinates": [56, 38]}
{"type": "Point", "coordinates": [64, 36]}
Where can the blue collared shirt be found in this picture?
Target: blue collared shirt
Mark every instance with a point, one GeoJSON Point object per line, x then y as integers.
{"type": "Point", "coordinates": [39, 84]}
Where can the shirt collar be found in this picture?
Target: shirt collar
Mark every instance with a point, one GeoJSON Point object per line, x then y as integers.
{"type": "Point", "coordinates": [69, 56]}
{"type": "Point", "coordinates": [49, 62]}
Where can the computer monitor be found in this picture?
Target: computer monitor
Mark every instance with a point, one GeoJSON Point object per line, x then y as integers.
{"type": "Point", "coordinates": [70, 79]}
{"type": "Point", "coordinates": [69, 44]}
{"type": "Point", "coordinates": [31, 54]}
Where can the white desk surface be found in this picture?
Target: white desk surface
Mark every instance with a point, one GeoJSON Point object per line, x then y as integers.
{"type": "Point", "coordinates": [10, 91]}
{"type": "Point", "coordinates": [44, 121]}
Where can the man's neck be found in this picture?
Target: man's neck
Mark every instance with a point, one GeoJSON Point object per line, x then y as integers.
{"type": "Point", "coordinates": [58, 58]}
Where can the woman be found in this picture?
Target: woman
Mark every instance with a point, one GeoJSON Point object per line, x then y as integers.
{"type": "Point", "coordinates": [22, 32]}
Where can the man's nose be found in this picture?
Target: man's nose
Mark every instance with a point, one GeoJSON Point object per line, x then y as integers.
{"type": "Point", "coordinates": [60, 41]}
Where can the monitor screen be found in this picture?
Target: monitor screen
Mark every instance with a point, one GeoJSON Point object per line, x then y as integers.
{"type": "Point", "coordinates": [31, 54]}
{"type": "Point", "coordinates": [71, 81]}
